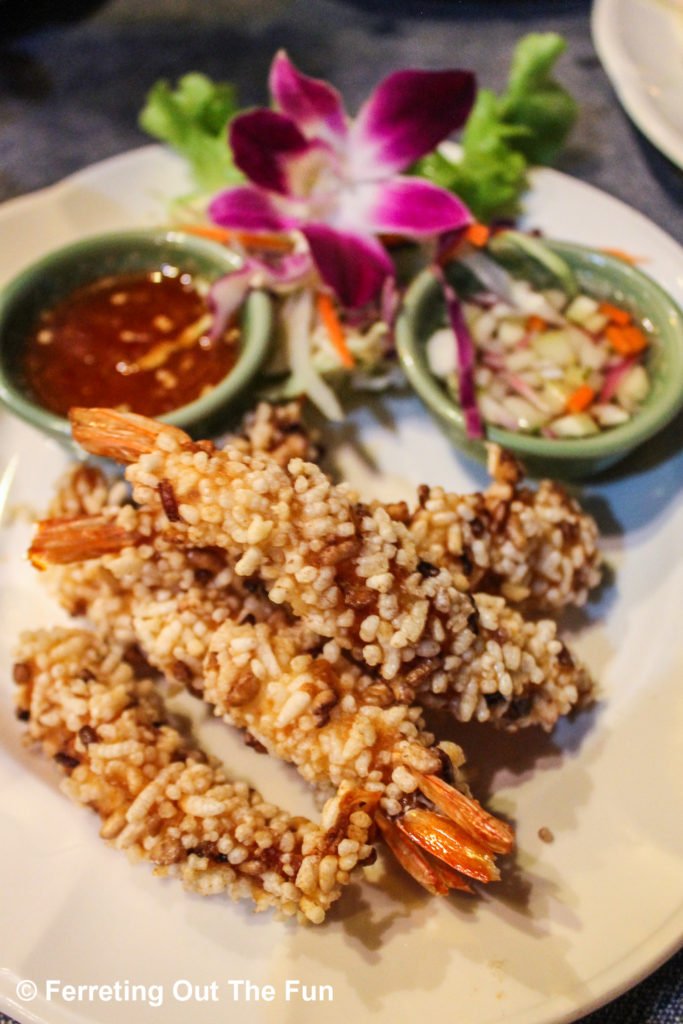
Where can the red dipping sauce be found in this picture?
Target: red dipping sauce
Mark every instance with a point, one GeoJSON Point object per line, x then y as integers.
{"type": "Point", "coordinates": [136, 342]}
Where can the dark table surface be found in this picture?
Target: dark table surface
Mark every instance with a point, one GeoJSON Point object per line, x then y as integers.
{"type": "Point", "coordinates": [73, 79]}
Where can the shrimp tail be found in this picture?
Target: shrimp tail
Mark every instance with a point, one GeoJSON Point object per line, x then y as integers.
{"type": "Point", "coordinates": [461, 836]}
{"type": "Point", "coordinates": [432, 875]}
{"type": "Point", "coordinates": [65, 540]}
{"type": "Point", "coordinates": [120, 436]}
{"type": "Point", "coordinates": [445, 840]}
{"type": "Point", "coordinates": [468, 813]}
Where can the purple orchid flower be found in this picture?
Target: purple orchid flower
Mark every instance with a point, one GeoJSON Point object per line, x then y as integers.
{"type": "Point", "coordinates": [337, 181]}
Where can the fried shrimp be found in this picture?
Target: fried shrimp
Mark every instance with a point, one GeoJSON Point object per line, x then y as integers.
{"type": "Point", "coordinates": [170, 600]}
{"type": "Point", "coordinates": [507, 670]}
{"type": "Point", "coordinates": [275, 430]}
{"type": "Point", "coordinates": [320, 626]}
{"type": "Point", "coordinates": [162, 800]}
{"type": "Point", "coordinates": [535, 548]}
{"type": "Point", "coordinates": [351, 574]}
{"type": "Point", "coordinates": [339, 725]}
{"type": "Point", "coordinates": [316, 709]}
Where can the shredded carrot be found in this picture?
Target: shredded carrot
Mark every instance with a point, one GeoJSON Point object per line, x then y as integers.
{"type": "Point", "coordinates": [329, 317]}
{"type": "Point", "coordinates": [625, 256]}
{"type": "Point", "coordinates": [249, 239]}
{"type": "Point", "coordinates": [622, 317]}
{"type": "Point", "coordinates": [536, 323]}
{"type": "Point", "coordinates": [580, 399]}
{"type": "Point", "coordinates": [478, 234]}
{"type": "Point", "coordinates": [211, 231]}
{"type": "Point", "coordinates": [628, 340]}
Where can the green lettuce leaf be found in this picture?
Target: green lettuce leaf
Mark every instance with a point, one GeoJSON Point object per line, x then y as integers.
{"type": "Point", "coordinates": [535, 101]}
{"type": "Point", "coordinates": [193, 118]}
{"type": "Point", "coordinates": [503, 135]}
{"type": "Point", "coordinates": [491, 175]}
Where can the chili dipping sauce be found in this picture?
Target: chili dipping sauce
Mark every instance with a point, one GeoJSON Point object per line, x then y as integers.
{"type": "Point", "coordinates": [136, 342]}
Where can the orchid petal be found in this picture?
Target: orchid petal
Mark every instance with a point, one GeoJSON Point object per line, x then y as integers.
{"type": "Point", "coordinates": [269, 148]}
{"type": "Point", "coordinates": [290, 269]}
{"type": "Point", "coordinates": [353, 266]}
{"type": "Point", "coordinates": [408, 114]}
{"type": "Point", "coordinates": [228, 293]}
{"type": "Point", "coordinates": [415, 209]}
{"type": "Point", "coordinates": [262, 143]}
{"type": "Point", "coordinates": [312, 104]}
{"type": "Point", "coordinates": [248, 209]}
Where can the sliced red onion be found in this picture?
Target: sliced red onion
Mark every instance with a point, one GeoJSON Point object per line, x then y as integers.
{"type": "Point", "coordinates": [493, 360]}
{"type": "Point", "coordinates": [526, 391]}
{"type": "Point", "coordinates": [613, 376]}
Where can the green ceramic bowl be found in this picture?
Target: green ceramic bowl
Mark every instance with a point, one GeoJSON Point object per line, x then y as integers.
{"type": "Point", "coordinates": [44, 283]}
{"type": "Point", "coordinates": [604, 277]}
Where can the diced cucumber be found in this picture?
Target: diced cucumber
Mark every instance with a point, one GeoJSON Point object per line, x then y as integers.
{"type": "Point", "coordinates": [441, 352]}
{"type": "Point", "coordinates": [589, 353]}
{"type": "Point", "coordinates": [580, 308]}
{"type": "Point", "coordinates": [521, 359]}
{"type": "Point", "coordinates": [574, 377]}
{"type": "Point", "coordinates": [556, 298]}
{"type": "Point", "coordinates": [483, 376]}
{"type": "Point", "coordinates": [484, 327]}
{"type": "Point", "coordinates": [578, 424]}
{"type": "Point", "coordinates": [596, 323]}
{"type": "Point", "coordinates": [553, 347]}
{"type": "Point", "coordinates": [555, 395]}
{"type": "Point", "coordinates": [533, 303]}
{"type": "Point", "coordinates": [511, 332]}
{"type": "Point", "coordinates": [526, 416]}
{"type": "Point", "coordinates": [633, 387]}
{"type": "Point", "coordinates": [609, 415]}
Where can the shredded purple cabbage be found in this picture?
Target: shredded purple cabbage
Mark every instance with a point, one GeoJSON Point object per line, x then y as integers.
{"type": "Point", "coordinates": [466, 358]}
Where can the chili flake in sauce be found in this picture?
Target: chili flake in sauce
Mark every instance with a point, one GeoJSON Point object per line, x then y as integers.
{"type": "Point", "coordinates": [137, 342]}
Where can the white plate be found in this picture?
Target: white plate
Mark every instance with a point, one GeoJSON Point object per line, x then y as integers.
{"type": "Point", "coordinates": [640, 44]}
{"type": "Point", "coordinates": [574, 923]}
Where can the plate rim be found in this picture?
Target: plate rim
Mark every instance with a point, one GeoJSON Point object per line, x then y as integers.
{"type": "Point", "coordinates": [640, 108]}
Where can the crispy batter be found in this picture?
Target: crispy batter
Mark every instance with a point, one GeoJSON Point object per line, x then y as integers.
{"type": "Point", "coordinates": [336, 722]}
{"type": "Point", "coordinates": [161, 799]}
{"type": "Point", "coordinates": [512, 671]}
{"type": "Point", "coordinates": [532, 547]}
{"type": "Point", "coordinates": [275, 430]}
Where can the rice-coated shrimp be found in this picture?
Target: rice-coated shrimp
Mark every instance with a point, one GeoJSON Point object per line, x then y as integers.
{"type": "Point", "coordinates": [319, 711]}
{"type": "Point", "coordinates": [161, 799]}
{"type": "Point", "coordinates": [337, 724]}
{"type": "Point", "coordinates": [532, 547]}
{"type": "Point", "coordinates": [513, 672]}
{"type": "Point", "coordinates": [350, 573]}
